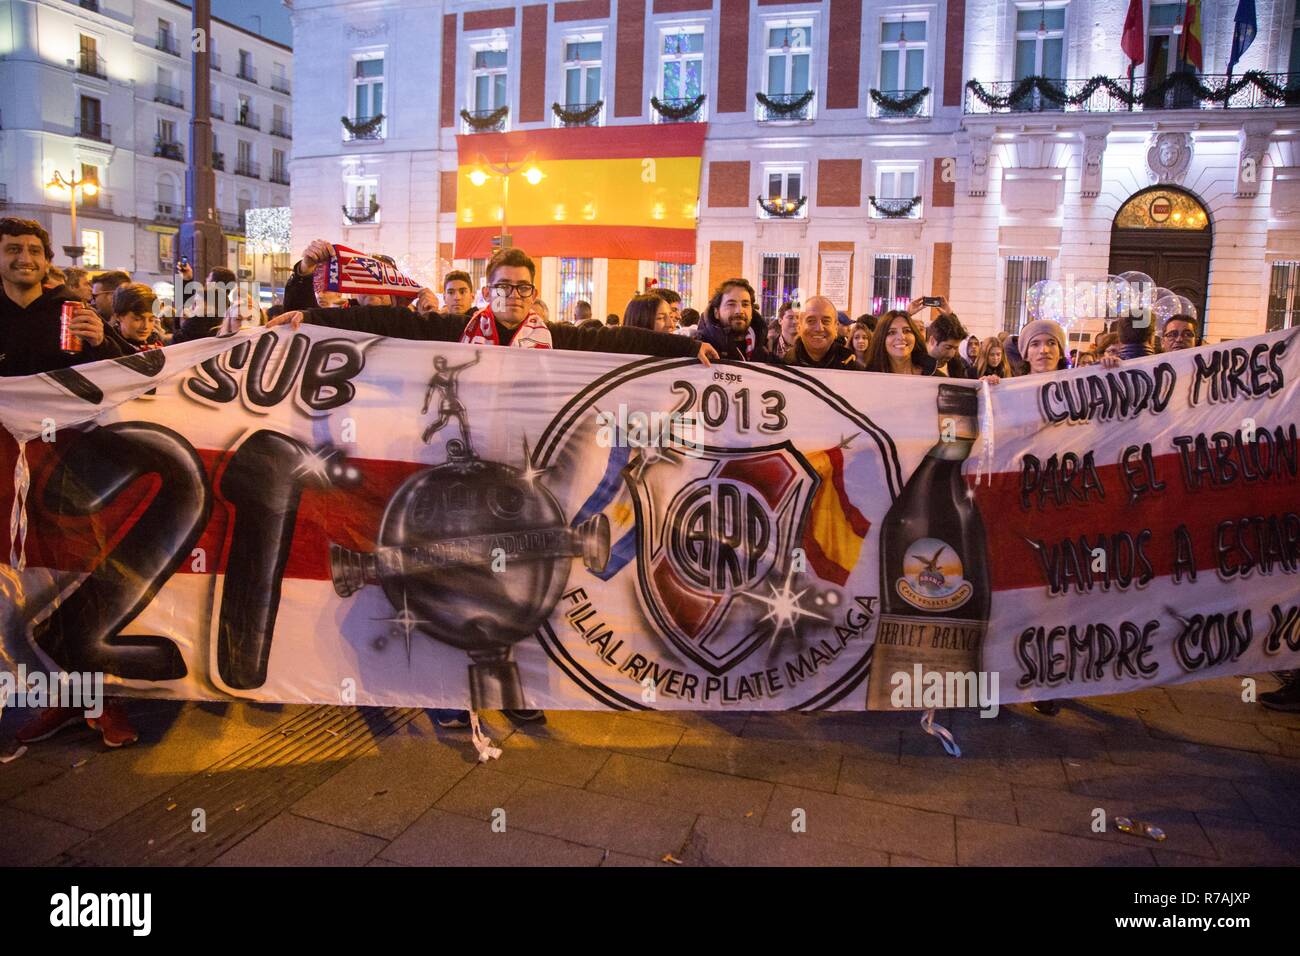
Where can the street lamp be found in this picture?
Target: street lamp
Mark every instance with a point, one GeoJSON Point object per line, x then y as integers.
{"type": "Point", "coordinates": [88, 187]}
{"type": "Point", "coordinates": [532, 175]}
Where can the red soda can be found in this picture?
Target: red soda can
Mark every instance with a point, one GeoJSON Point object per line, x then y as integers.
{"type": "Point", "coordinates": [68, 340]}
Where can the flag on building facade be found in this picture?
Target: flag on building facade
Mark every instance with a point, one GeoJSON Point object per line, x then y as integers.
{"type": "Point", "coordinates": [1189, 45]}
{"type": "Point", "coordinates": [1133, 41]}
{"type": "Point", "coordinates": [1243, 31]}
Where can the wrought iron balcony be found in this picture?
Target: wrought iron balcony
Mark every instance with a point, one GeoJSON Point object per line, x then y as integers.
{"type": "Point", "coordinates": [280, 176]}
{"type": "Point", "coordinates": [91, 64]}
{"type": "Point", "coordinates": [166, 212]}
{"type": "Point", "coordinates": [169, 150]}
{"type": "Point", "coordinates": [1102, 94]}
{"type": "Point", "coordinates": [784, 107]}
{"type": "Point", "coordinates": [246, 167]}
{"type": "Point", "coordinates": [167, 44]}
{"type": "Point", "coordinates": [231, 221]}
{"type": "Point", "coordinates": [484, 121]}
{"type": "Point", "coordinates": [248, 119]}
{"type": "Point", "coordinates": [358, 215]}
{"type": "Point", "coordinates": [89, 128]}
{"type": "Point", "coordinates": [281, 128]}
{"type": "Point", "coordinates": [363, 128]}
{"type": "Point", "coordinates": [247, 72]}
{"type": "Point", "coordinates": [779, 207]}
{"type": "Point", "coordinates": [280, 84]}
{"type": "Point", "coordinates": [688, 109]}
{"type": "Point", "coordinates": [219, 161]}
{"type": "Point", "coordinates": [167, 94]}
{"type": "Point", "coordinates": [578, 114]}
{"type": "Point", "coordinates": [900, 104]}
{"type": "Point", "coordinates": [894, 207]}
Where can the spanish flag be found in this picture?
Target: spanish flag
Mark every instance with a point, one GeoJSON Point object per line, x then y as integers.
{"type": "Point", "coordinates": [1189, 46]}
{"type": "Point", "coordinates": [836, 529]}
{"type": "Point", "coordinates": [617, 192]}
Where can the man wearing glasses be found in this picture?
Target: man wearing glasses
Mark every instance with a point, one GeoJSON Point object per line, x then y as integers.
{"type": "Point", "coordinates": [1179, 333]}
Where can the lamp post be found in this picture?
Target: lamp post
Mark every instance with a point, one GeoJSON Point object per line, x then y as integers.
{"type": "Point", "coordinates": [505, 170]}
{"type": "Point", "coordinates": [88, 187]}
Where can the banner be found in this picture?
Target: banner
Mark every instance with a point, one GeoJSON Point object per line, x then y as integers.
{"type": "Point", "coordinates": [617, 192]}
{"type": "Point", "coordinates": [325, 516]}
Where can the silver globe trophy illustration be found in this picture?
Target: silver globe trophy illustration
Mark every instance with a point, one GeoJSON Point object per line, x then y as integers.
{"type": "Point", "coordinates": [475, 554]}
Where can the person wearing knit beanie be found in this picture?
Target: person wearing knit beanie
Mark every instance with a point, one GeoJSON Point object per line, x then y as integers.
{"type": "Point", "coordinates": [1042, 343]}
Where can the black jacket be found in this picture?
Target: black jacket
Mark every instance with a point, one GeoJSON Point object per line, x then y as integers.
{"type": "Point", "coordinates": [300, 292]}
{"type": "Point", "coordinates": [732, 346]}
{"type": "Point", "coordinates": [396, 322]}
{"type": "Point", "coordinates": [958, 368]}
{"type": "Point", "coordinates": [29, 338]}
{"type": "Point", "coordinates": [838, 356]}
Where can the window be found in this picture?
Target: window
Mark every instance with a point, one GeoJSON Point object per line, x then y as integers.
{"type": "Point", "coordinates": [90, 174]}
{"type": "Point", "coordinates": [1040, 42]}
{"type": "Point", "coordinates": [362, 201]}
{"type": "Point", "coordinates": [789, 58]}
{"type": "Point", "coordinates": [1284, 296]}
{"type": "Point", "coordinates": [279, 172]}
{"type": "Point", "coordinates": [891, 283]}
{"type": "Point", "coordinates": [575, 283]}
{"type": "Point", "coordinates": [780, 281]}
{"type": "Point", "coordinates": [489, 80]}
{"type": "Point", "coordinates": [367, 88]}
{"type": "Point", "coordinates": [88, 61]}
{"type": "Point", "coordinates": [166, 251]}
{"type": "Point", "coordinates": [1162, 40]}
{"type": "Point", "coordinates": [279, 77]}
{"type": "Point", "coordinates": [167, 204]}
{"type": "Point", "coordinates": [1293, 63]}
{"type": "Point", "coordinates": [1022, 272]}
{"type": "Point", "coordinates": [246, 66]}
{"type": "Point", "coordinates": [244, 153]}
{"type": "Point", "coordinates": [91, 124]}
{"type": "Point", "coordinates": [166, 130]}
{"type": "Point", "coordinates": [784, 191]}
{"type": "Point", "coordinates": [681, 66]}
{"type": "Point", "coordinates": [678, 276]}
{"type": "Point", "coordinates": [92, 241]}
{"type": "Point", "coordinates": [582, 72]}
{"type": "Point", "coordinates": [896, 188]}
{"type": "Point", "coordinates": [902, 56]}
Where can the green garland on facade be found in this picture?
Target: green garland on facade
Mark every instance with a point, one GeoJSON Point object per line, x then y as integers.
{"type": "Point", "coordinates": [895, 105]}
{"type": "Point", "coordinates": [1054, 90]}
{"type": "Point", "coordinates": [368, 216]}
{"type": "Point", "coordinates": [677, 112]}
{"type": "Point", "coordinates": [781, 212]}
{"type": "Point", "coordinates": [365, 128]}
{"type": "Point", "coordinates": [785, 109]}
{"type": "Point", "coordinates": [483, 123]}
{"type": "Point", "coordinates": [890, 211]}
{"type": "Point", "coordinates": [577, 117]}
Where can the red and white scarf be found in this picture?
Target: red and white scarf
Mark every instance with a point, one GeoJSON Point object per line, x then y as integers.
{"type": "Point", "coordinates": [532, 334]}
{"type": "Point", "coordinates": [351, 272]}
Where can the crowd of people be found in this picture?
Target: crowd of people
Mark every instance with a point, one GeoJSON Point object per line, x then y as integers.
{"type": "Point", "coordinates": [113, 316]}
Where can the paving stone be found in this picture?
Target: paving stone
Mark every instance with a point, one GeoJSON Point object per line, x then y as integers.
{"type": "Point", "coordinates": [1250, 843]}
{"type": "Point", "coordinates": [685, 788]}
{"type": "Point", "coordinates": [1019, 729]}
{"type": "Point", "coordinates": [597, 819]}
{"type": "Point", "coordinates": [927, 790]}
{"type": "Point", "coordinates": [985, 843]}
{"type": "Point", "coordinates": [1193, 759]}
{"type": "Point", "coordinates": [1073, 814]}
{"type": "Point", "coordinates": [289, 840]}
{"type": "Point", "coordinates": [29, 840]}
{"type": "Point", "coordinates": [615, 732]}
{"type": "Point", "coordinates": [869, 823]}
{"type": "Point", "coordinates": [385, 790]}
{"type": "Point", "coordinates": [1211, 731]}
{"type": "Point", "coordinates": [623, 859]}
{"type": "Point", "coordinates": [867, 736]}
{"type": "Point", "coordinates": [1102, 779]}
{"type": "Point", "coordinates": [775, 761]}
{"type": "Point", "coordinates": [715, 842]}
{"type": "Point", "coordinates": [1283, 771]}
{"type": "Point", "coordinates": [729, 721]}
{"type": "Point", "coordinates": [993, 761]}
{"type": "Point", "coordinates": [902, 859]}
{"type": "Point", "coordinates": [479, 793]}
{"type": "Point", "coordinates": [22, 774]}
{"type": "Point", "coordinates": [448, 839]}
{"type": "Point", "coordinates": [546, 759]}
{"type": "Point", "coordinates": [1221, 698]}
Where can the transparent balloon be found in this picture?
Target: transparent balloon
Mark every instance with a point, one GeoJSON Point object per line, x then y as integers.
{"type": "Point", "coordinates": [1139, 293]}
{"type": "Point", "coordinates": [1165, 307]}
{"type": "Point", "coordinates": [1185, 306]}
{"type": "Point", "coordinates": [1043, 300]}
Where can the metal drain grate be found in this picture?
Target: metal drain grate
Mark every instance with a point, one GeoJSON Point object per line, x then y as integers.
{"type": "Point", "coordinates": [242, 791]}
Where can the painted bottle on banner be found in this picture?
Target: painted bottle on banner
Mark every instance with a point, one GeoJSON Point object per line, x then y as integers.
{"type": "Point", "coordinates": [934, 587]}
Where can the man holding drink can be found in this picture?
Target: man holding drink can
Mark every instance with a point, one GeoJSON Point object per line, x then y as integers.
{"type": "Point", "coordinates": [42, 329]}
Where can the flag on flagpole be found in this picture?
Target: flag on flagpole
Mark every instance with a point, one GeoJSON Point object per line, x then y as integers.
{"type": "Point", "coordinates": [1189, 46]}
{"type": "Point", "coordinates": [1243, 31]}
{"type": "Point", "coordinates": [1133, 42]}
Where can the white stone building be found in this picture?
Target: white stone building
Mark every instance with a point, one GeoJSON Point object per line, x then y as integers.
{"type": "Point", "coordinates": [896, 169]}
{"type": "Point", "coordinates": [102, 89]}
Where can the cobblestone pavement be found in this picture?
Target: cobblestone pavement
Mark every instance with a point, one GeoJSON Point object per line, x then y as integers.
{"type": "Point", "coordinates": [233, 784]}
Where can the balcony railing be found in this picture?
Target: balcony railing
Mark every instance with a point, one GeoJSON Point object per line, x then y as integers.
{"type": "Point", "coordinates": [247, 71]}
{"type": "Point", "coordinates": [231, 221]}
{"type": "Point", "coordinates": [169, 150]}
{"type": "Point", "coordinates": [167, 94]}
{"type": "Point", "coordinates": [484, 121]}
{"type": "Point", "coordinates": [784, 107]}
{"type": "Point", "coordinates": [689, 109]}
{"type": "Point", "coordinates": [166, 212]}
{"type": "Point", "coordinates": [358, 215]}
{"type": "Point", "coordinates": [246, 167]}
{"type": "Point", "coordinates": [280, 84]}
{"type": "Point", "coordinates": [91, 64]}
{"type": "Point", "coordinates": [363, 128]}
{"type": "Point", "coordinates": [88, 128]}
{"type": "Point", "coordinates": [280, 176]}
{"type": "Point", "coordinates": [167, 43]}
{"type": "Point", "coordinates": [900, 104]}
{"type": "Point", "coordinates": [892, 207]}
{"type": "Point", "coordinates": [249, 119]}
{"type": "Point", "coordinates": [281, 128]}
{"type": "Point", "coordinates": [219, 161]}
{"type": "Point", "coordinates": [578, 114]}
{"type": "Point", "coordinates": [217, 110]}
{"type": "Point", "coordinates": [1103, 94]}
{"type": "Point", "coordinates": [779, 207]}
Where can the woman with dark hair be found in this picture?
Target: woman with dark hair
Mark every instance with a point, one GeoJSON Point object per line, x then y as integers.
{"type": "Point", "coordinates": [648, 312]}
{"type": "Point", "coordinates": [991, 359]}
{"type": "Point", "coordinates": [860, 342]}
{"type": "Point", "coordinates": [897, 346]}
